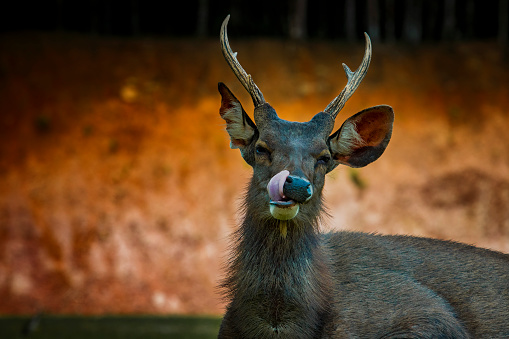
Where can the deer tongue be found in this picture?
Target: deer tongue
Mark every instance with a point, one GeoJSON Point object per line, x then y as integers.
{"type": "Point", "coordinates": [275, 186]}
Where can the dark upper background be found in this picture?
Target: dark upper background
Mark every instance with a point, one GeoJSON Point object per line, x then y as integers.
{"type": "Point", "coordinates": [386, 20]}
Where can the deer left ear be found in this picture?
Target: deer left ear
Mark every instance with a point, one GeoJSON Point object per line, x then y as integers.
{"type": "Point", "coordinates": [363, 137]}
{"type": "Point", "coordinates": [240, 127]}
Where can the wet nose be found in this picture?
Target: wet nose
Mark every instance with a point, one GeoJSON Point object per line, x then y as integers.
{"type": "Point", "coordinates": [297, 189]}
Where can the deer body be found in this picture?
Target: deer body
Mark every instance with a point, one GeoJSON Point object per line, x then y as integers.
{"type": "Point", "coordinates": [355, 285]}
{"type": "Point", "coordinates": [288, 280]}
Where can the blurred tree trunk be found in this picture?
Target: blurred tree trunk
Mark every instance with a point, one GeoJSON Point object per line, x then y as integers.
{"type": "Point", "coordinates": [107, 17]}
{"type": "Point", "coordinates": [60, 15]}
{"type": "Point", "coordinates": [449, 30]}
{"type": "Point", "coordinates": [373, 20]}
{"type": "Point", "coordinates": [94, 17]}
{"type": "Point", "coordinates": [433, 25]}
{"type": "Point", "coordinates": [202, 22]}
{"type": "Point", "coordinates": [135, 18]}
{"type": "Point", "coordinates": [390, 17]}
{"type": "Point", "coordinates": [470, 17]}
{"type": "Point", "coordinates": [297, 21]}
{"type": "Point", "coordinates": [350, 21]}
{"type": "Point", "coordinates": [412, 27]}
{"type": "Point", "coordinates": [503, 23]}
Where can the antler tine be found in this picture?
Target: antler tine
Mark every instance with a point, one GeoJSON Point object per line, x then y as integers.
{"type": "Point", "coordinates": [354, 80]}
{"type": "Point", "coordinates": [231, 58]}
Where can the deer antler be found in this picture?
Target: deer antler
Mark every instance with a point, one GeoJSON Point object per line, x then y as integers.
{"type": "Point", "coordinates": [244, 78]}
{"type": "Point", "coordinates": [354, 80]}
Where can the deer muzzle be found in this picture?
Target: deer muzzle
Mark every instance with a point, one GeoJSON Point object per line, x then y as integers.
{"type": "Point", "coordinates": [286, 193]}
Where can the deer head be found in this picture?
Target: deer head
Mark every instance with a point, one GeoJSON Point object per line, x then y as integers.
{"type": "Point", "coordinates": [290, 159]}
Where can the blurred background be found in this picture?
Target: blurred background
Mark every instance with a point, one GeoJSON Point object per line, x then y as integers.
{"type": "Point", "coordinates": [118, 190]}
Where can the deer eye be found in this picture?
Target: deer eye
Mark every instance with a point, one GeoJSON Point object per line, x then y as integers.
{"type": "Point", "coordinates": [323, 160]}
{"type": "Point", "coordinates": [262, 151]}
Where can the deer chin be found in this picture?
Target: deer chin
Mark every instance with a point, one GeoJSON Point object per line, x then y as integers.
{"type": "Point", "coordinates": [284, 210]}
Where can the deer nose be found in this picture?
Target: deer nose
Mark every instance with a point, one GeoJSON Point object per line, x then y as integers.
{"type": "Point", "coordinates": [297, 188]}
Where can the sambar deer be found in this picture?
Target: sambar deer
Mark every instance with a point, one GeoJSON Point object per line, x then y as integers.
{"type": "Point", "coordinates": [287, 280]}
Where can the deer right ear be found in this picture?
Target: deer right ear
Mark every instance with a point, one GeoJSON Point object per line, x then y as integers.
{"type": "Point", "coordinates": [240, 127]}
{"type": "Point", "coordinates": [363, 137]}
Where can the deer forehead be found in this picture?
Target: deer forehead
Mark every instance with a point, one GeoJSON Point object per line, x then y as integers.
{"type": "Point", "coordinates": [289, 137]}
{"type": "Point", "coordinates": [278, 132]}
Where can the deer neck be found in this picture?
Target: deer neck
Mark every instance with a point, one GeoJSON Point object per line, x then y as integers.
{"type": "Point", "coordinates": [281, 271]}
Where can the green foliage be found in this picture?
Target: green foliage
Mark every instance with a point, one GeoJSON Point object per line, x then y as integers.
{"type": "Point", "coordinates": [111, 327]}
{"type": "Point", "coordinates": [356, 179]}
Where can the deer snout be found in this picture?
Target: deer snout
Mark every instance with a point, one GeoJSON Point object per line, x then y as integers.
{"type": "Point", "coordinates": [286, 192]}
{"type": "Point", "coordinates": [297, 188]}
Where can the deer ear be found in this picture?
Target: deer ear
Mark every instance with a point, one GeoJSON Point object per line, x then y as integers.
{"type": "Point", "coordinates": [363, 137]}
{"type": "Point", "coordinates": [239, 126]}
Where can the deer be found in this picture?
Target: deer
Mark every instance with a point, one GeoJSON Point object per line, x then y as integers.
{"type": "Point", "coordinates": [287, 279]}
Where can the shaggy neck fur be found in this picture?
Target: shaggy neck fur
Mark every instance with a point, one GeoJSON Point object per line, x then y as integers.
{"type": "Point", "coordinates": [278, 283]}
